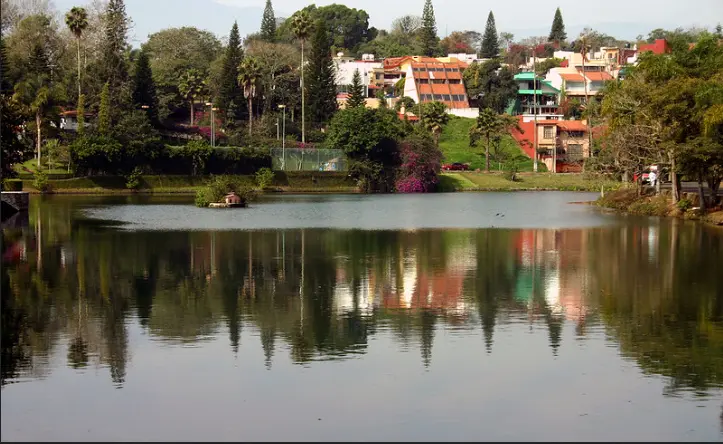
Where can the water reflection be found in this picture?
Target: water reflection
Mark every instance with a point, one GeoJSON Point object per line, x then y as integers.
{"type": "Point", "coordinates": [71, 288]}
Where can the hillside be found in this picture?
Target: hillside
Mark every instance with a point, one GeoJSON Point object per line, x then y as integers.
{"type": "Point", "coordinates": [454, 143]}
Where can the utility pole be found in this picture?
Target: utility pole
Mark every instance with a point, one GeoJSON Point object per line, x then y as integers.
{"type": "Point", "coordinates": [534, 109]}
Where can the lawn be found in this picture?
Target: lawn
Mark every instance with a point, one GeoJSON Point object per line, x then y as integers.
{"type": "Point", "coordinates": [454, 143]}
{"type": "Point", "coordinates": [471, 181]}
{"type": "Point", "coordinates": [31, 165]}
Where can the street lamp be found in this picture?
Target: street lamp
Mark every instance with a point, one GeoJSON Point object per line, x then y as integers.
{"type": "Point", "coordinates": [283, 138]}
{"type": "Point", "coordinates": [213, 125]}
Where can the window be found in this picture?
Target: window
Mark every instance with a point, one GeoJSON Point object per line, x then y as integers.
{"type": "Point", "coordinates": [447, 98]}
{"type": "Point", "coordinates": [574, 152]}
{"type": "Point", "coordinates": [576, 134]}
{"type": "Point", "coordinates": [424, 81]}
{"type": "Point", "coordinates": [454, 81]}
{"type": "Point", "coordinates": [438, 97]}
{"type": "Point", "coordinates": [428, 97]}
{"type": "Point", "coordinates": [549, 132]}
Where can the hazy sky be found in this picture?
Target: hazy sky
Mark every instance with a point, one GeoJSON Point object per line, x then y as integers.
{"type": "Point", "coordinates": [621, 18]}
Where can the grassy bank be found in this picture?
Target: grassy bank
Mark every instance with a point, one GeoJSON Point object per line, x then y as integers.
{"type": "Point", "coordinates": [628, 201]}
{"type": "Point", "coordinates": [470, 181]}
{"type": "Point", "coordinates": [454, 144]}
{"type": "Point", "coordinates": [300, 182]}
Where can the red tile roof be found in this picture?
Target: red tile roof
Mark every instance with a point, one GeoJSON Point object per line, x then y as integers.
{"type": "Point", "coordinates": [571, 125]}
{"type": "Point", "coordinates": [598, 76]}
{"type": "Point", "coordinates": [570, 77]}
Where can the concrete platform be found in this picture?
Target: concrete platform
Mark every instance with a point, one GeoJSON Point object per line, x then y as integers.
{"type": "Point", "coordinates": [18, 200]}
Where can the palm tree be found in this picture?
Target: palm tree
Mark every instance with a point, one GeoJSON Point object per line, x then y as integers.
{"type": "Point", "coordinates": [433, 116]}
{"type": "Point", "coordinates": [39, 97]}
{"type": "Point", "coordinates": [301, 26]}
{"type": "Point", "coordinates": [249, 76]}
{"type": "Point", "coordinates": [192, 85]}
{"type": "Point", "coordinates": [77, 21]}
{"type": "Point", "coordinates": [492, 125]}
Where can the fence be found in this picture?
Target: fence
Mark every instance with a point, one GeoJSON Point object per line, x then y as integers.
{"type": "Point", "coordinates": [308, 159]}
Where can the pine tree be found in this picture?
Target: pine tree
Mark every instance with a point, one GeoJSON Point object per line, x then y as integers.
{"type": "Point", "coordinates": [104, 111]}
{"type": "Point", "coordinates": [356, 95]}
{"type": "Point", "coordinates": [80, 116]}
{"type": "Point", "coordinates": [557, 33]}
{"type": "Point", "coordinates": [114, 45]}
{"type": "Point", "coordinates": [144, 88]}
{"type": "Point", "coordinates": [490, 42]}
{"type": "Point", "coordinates": [268, 23]}
{"type": "Point", "coordinates": [230, 97]}
{"type": "Point", "coordinates": [321, 88]}
{"type": "Point", "coordinates": [429, 37]}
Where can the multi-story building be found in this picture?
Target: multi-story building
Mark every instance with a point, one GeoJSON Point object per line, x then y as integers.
{"type": "Point", "coordinates": [543, 95]}
{"type": "Point", "coordinates": [345, 68]}
{"type": "Point", "coordinates": [576, 83]}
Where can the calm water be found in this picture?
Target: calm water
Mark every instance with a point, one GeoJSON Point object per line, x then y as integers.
{"type": "Point", "coordinates": [480, 316]}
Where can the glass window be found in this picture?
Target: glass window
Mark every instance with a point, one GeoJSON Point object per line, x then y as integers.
{"type": "Point", "coordinates": [549, 132]}
{"type": "Point", "coordinates": [447, 98]}
{"type": "Point", "coordinates": [438, 97]}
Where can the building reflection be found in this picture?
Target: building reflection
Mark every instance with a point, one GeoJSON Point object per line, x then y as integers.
{"type": "Point", "coordinates": [75, 288]}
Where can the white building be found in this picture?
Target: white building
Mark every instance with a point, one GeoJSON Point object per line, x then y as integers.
{"type": "Point", "coordinates": [346, 66]}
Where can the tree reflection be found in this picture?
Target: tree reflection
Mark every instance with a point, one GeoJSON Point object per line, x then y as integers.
{"type": "Point", "coordinates": [326, 293]}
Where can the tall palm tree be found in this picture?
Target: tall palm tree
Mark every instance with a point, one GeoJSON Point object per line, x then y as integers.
{"type": "Point", "coordinates": [249, 76]}
{"type": "Point", "coordinates": [301, 26]}
{"type": "Point", "coordinates": [77, 21]}
{"type": "Point", "coordinates": [192, 85]}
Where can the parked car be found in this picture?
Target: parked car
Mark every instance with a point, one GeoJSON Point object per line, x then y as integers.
{"type": "Point", "coordinates": [457, 166]}
{"type": "Point", "coordinates": [645, 179]}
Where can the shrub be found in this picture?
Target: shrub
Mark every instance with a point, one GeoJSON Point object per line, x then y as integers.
{"type": "Point", "coordinates": [421, 162]}
{"type": "Point", "coordinates": [12, 185]}
{"type": "Point", "coordinates": [264, 177]}
{"type": "Point", "coordinates": [512, 167]}
{"type": "Point", "coordinates": [40, 182]}
{"type": "Point", "coordinates": [684, 205]}
{"type": "Point", "coordinates": [133, 180]}
{"type": "Point", "coordinates": [219, 186]}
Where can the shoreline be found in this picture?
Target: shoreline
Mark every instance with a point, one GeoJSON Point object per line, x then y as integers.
{"type": "Point", "coordinates": [626, 201]}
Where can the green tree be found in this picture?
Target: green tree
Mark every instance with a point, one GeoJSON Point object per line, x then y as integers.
{"type": "Point", "coordinates": [490, 41]}
{"type": "Point", "coordinates": [382, 100]}
{"type": "Point", "coordinates": [321, 73]}
{"type": "Point", "coordinates": [104, 111]}
{"type": "Point", "coordinates": [114, 44]}
{"type": "Point", "coordinates": [268, 23]}
{"type": "Point", "coordinates": [428, 37]}
{"type": "Point", "coordinates": [557, 32]}
{"type": "Point", "coordinates": [301, 26]}
{"type": "Point", "coordinates": [276, 60]}
{"type": "Point", "coordinates": [175, 51]}
{"type": "Point", "coordinates": [433, 117]}
{"type": "Point", "coordinates": [356, 95]}
{"type": "Point", "coordinates": [77, 21]}
{"type": "Point", "coordinates": [144, 88]}
{"type": "Point", "coordinates": [10, 122]}
{"type": "Point", "coordinates": [369, 139]}
{"type": "Point", "coordinates": [493, 85]}
{"type": "Point", "coordinates": [249, 78]}
{"type": "Point", "coordinates": [348, 28]}
{"type": "Point", "coordinates": [192, 86]}
{"type": "Point", "coordinates": [491, 125]}
{"type": "Point", "coordinates": [40, 98]}
{"type": "Point", "coordinates": [229, 98]}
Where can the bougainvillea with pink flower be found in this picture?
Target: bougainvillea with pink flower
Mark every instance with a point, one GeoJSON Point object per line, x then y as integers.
{"type": "Point", "coordinates": [421, 162]}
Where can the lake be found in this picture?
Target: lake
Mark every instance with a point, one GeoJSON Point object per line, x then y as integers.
{"type": "Point", "coordinates": [464, 316]}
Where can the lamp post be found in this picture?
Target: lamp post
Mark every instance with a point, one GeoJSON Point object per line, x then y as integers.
{"type": "Point", "coordinates": [213, 125]}
{"type": "Point", "coordinates": [283, 137]}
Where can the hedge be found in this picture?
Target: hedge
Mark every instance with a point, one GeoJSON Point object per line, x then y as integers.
{"type": "Point", "coordinates": [12, 185]}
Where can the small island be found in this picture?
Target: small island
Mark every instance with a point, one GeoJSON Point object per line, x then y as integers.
{"type": "Point", "coordinates": [225, 192]}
